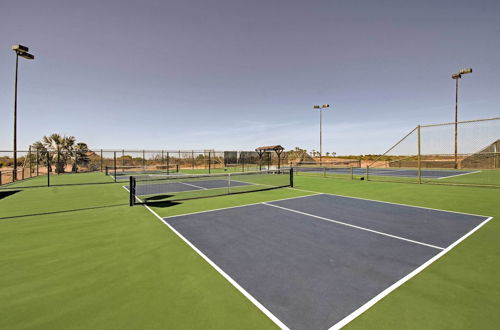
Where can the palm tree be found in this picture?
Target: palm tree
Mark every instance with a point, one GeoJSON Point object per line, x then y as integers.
{"type": "Point", "coordinates": [60, 147]}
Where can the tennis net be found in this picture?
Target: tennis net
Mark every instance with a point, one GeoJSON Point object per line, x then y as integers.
{"type": "Point", "coordinates": [345, 163]}
{"type": "Point", "coordinates": [165, 189]}
{"type": "Point", "coordinates": [139, 169]}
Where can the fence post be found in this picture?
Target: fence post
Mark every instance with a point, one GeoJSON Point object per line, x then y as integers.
{"type": "Point", "coordinates": [352, 173]}
{"type": "Point", "coordinates": [143, 160]}
{"type": "Point", "coordinates": [419, 157]}
{"type": "Point", "coordinates": [123, 160]}
{"type": "Point", "coordinates": [209, 162]}
{"type": "Point", "coordinates": [76, 161]}
{"type": "Point", "coordinates": [49, 168]}
{"type": "Point", "coordinates": [31, 161]}
{"type": "Point", "coordinates": [367, 171]}
{"type": "Point", "coordinates": [291, 177]}
{"type": "Point", "coordinates": [101, 160]}
{"type": "Point", "coordinates": [192, 162]}
{"type": "Point", "coordinates": [168, 163]}
{"type": "Point", "coordinates": [114, 158]}
{"type": "Point", "coordinates": [37, 161]}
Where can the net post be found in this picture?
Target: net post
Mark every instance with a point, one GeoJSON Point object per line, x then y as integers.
{"type": "Point", "coordinates": [114, 160]}
{"type": "Point", "coordinates": [367, 172]}
{"type": "Point", "coordinates": [101, 161]}
{"type": "Point", "coordinates": [192, 159]}
{"type": "Point", "coordinates": [243, 163]}
{"type": "Point", "coordinates": [229, 183]}
{"type": "Point", "coordinates": [132, 190]}
{"type": "Point", "coordinates": [352, 173]}
{"type": "Point", "coordinates": [419, 159]}
{"type": "Point", "coordinates": [291, 177]}
{"type": "Point", "coordinates": [209, 162]}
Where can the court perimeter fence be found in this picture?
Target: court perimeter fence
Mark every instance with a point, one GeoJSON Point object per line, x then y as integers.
{"type": "Point", "coordinates": [105, 165]}
{"type": "Point", "coordinates": [462, 153]}
{"type": "Point", "coordinates": [427, 154]}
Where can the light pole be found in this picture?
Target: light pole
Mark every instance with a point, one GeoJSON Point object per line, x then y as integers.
{"type": "Point", "coordinates": [23, 52]}
{"type": "Point", "coordinates": [457, 76]}
{"type": "Point", "coordinates": [324, 106]}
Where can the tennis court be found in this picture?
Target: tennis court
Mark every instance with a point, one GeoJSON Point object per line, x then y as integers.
{"type": "Point", "coordinates": [390, 172]}
{"type": "Point", "coordinates": [318, 261]}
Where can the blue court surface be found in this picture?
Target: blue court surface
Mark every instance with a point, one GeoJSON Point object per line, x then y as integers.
{"type": "Point", "coordinates": [316, 262]}
{"type": "Point", "coordinates": [390, 172]}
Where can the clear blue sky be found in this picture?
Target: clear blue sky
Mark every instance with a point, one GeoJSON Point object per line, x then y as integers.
{"type": "Point", "coordinates": [231, 74]}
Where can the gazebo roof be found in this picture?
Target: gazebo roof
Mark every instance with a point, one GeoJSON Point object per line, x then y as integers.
{"type": "Point", "coordinates": [277, 148]}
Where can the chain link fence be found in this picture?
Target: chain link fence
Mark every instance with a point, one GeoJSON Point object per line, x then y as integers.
{"type": "Point", "coordinates": [462, 153]}
{"type": "Point", "coordinates": [92, 166]}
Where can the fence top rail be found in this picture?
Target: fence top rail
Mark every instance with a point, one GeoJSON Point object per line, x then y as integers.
{"type": "Point", "coordinates": [461, 122]}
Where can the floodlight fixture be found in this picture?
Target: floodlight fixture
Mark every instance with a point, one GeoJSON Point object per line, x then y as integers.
{"type": "Point", "coordinates": [465, 71]}
{"type": "Point", "coordinates": [20, 48]}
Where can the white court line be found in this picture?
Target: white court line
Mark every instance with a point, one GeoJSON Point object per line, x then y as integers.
{"type": "Point", "coordinates": [357, 227]}
{"type": "Point", "coordinates": [452, 176]}
{"type": "Point", "coordinates": [374, 200]}
{"type": "Point", "coordinates": [393, 287]}
{"type": "Point", "coordinates": [192, 185]}
{"type": "Point", "coordinates": [262, 308]}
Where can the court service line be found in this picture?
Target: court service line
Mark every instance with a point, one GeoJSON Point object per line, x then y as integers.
{"type": "Point", "coordinates": [193, 185]}
{"type": "Point", "coordinates": [262, 308]}
{"type": "Point", "coordinates": [452, 176]}
{"type": "Point", "coordinates": [393, 287]}
{"type": "Point", "coordinates": [357, 227]}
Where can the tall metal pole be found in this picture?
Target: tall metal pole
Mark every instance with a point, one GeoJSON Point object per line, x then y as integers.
{"type": "Point", "coordinates": [14, 174]}
{"type": "Point", "coordinates": [456, 123]}
{"type": "Point", "coordinates": [457, 76]}
{"type": "Point", "coordinates": [320, 135]}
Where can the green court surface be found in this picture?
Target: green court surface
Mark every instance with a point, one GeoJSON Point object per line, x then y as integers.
{"type": "Point", "coordinates": [77, 256]}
